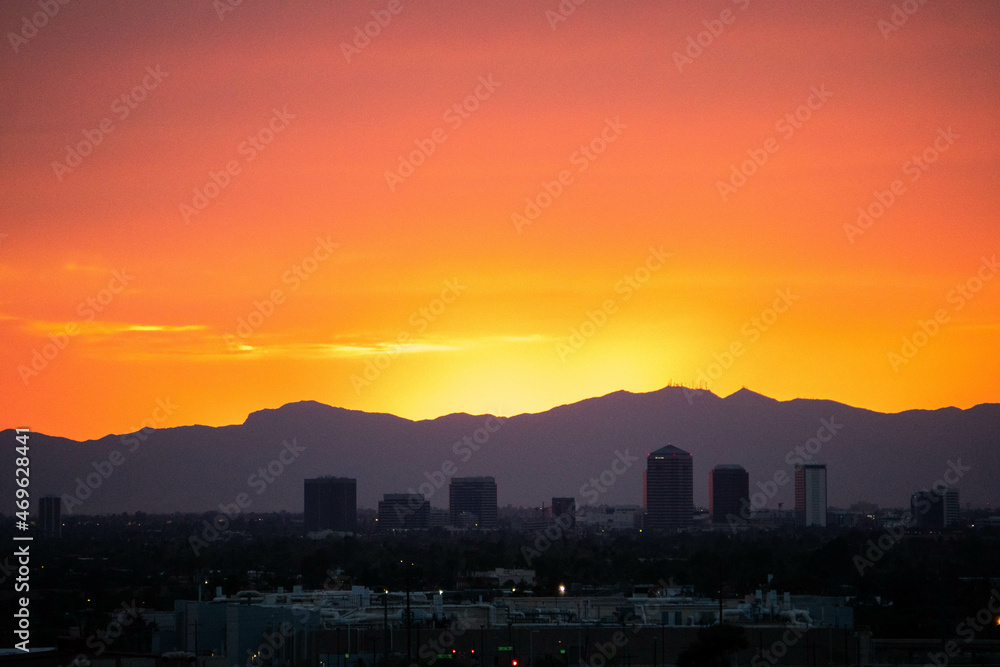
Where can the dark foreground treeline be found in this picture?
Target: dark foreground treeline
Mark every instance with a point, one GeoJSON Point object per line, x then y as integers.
{"type": "Point", "coordinates": [905, 586]}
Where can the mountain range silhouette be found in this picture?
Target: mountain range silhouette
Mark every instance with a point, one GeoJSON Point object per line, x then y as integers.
{"type": "Point", "coordinates": [870, 456]}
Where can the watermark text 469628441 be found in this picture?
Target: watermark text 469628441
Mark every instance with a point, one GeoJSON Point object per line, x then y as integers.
{"type": "Point", "coordinates": [22, 496]}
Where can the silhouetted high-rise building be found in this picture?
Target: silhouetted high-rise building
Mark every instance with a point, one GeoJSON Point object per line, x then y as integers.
{"type": "Point", "coordinates": [472, 502]}
{"type": "Point", "coordinates": [331, 504]}
{"type": "Point", "coordinates": [566, 508]}
{"type": "Point", "coordinates": [403, 511]}
{"type": "Point", "coordinates": [927, 510]}
{"type": "Point", "coordinates": [669, 488]}
{"type": "Point", "coordinates": [50, 516]}
{"type": "Point", "coordinates": [934, 511]}
{"type": "Point", "coordinates": [810, 494]}
{"type": "Point", "coordinates": [728, 489]}
{"type": "Point", "coordinates": [952, 509]}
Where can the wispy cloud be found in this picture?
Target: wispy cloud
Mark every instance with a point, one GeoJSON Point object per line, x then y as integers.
{"type": "Point", "coordinates": [360, 347]}
{"type": "Point", "coordinates": [103, 328]}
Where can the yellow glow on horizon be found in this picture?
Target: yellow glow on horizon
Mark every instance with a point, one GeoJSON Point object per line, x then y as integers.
{"type": "Point", "coordinates": [309, 277]}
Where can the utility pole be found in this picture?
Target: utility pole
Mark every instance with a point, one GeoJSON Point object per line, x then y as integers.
{"type": "Point", "coordinates": [720, 590]}
{"type": "Point", "coordinates": [663, 641]}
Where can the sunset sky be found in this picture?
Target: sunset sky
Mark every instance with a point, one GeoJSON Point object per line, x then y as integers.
{"type": "Point", "coordinates": [278, 209]}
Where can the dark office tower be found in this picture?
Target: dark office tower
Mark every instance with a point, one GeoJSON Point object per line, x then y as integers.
{"type": "Point", "coordinates": [473, 502]}
{"type": "Point", "coordinates": [927, 510]}
{"type": "Point", "coordinates": [403, 511]}
{"type": "Point", "coordinates": [566, 508]}
{"type": "Point", "coordinates": [951, 508]}
{"type": "Point", "coordinates": [50, 516]}
{"type": "Point", "coordinates": [934, 511]}
{"type": "Point", "coordinates": [669, 489]}
{"type": "Point", "coordinates": [810, 494]}
{"type": "Point", "coordinates": [331, 504]}
{"type": "Point", "coordinates": [728, 489]}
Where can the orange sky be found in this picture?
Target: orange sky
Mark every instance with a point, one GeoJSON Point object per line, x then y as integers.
{"type": "Point", "coordinates": [641, 239]}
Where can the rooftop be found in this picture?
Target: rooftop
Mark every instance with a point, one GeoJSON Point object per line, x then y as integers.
{"type": "Point", "coordinates": [670, 450]}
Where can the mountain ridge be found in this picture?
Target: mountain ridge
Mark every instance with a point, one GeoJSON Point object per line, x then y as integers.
{"type": "Point", "coordinates": [873, 456]}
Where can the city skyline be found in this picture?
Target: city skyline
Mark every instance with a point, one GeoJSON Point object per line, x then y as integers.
{"type": "Point", "coordinates": [536, 333]}
{"type": "Point", "coordinates": [594, 445]}
{"type": "Point", "coordinates": [330, 503]}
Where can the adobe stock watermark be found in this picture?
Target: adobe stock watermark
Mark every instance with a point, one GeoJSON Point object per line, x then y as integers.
{"type": "Point", "coordinates": [294, 277]}
{"type": "Point", "coordinates": [967, 629]}
{"type": "Point", "coordinates": [31, 26]}
{"type": "Point", "coordinates": [581, 158]}
{"type": "Point", "coordinates": [248, 150]}
{"type": "Point", "coordinates": [464, 449]}
{"type": "Point", "coordinates": [798, 455]}
{"type": "Point", "coordinates": [550, 535]}
{"type": "Point", "coordinates": [696, 44]}
{"type": "Point", "coordinates": [420, 320]}
{"type": "Point", "coordinates": [957, 298]}
{"type": "Point", "coordinates": [432, 648]}
{"type": "Point", "coordinates": [595, 320]}
{"type": "Point", "coordinates": [271, 643]}
{"type": "Point", "coordinates": [122, 108]}
{"type": "Point", "coordinates": [607, 651]}
{"type": "Point", "coordinates": [260, 481]}
{"type": "Point", "coordinates": [365, 33]}
{"type": "Point", "coordinates": [223, 7]}
{"type": "Point", "coordinates": [88, 310]}
{"type": "Point", "coordinates": [454, 116]}
{"type": "Point", "coordinates": [899, 16]}
{"type": "Point", "coordinates": [752, 330]}
{"type": "Point", "coordinates": [591, 490]}
{"type": "Point", "coordinates": [563, 11]}
{"type": "Point", "coordinates": [778, 648]}
{"type": "Point", "coordinates": [100, 640]}
{"type": "Point", "coordinates": [877, 548]}
{"type": "Point", "coordinates": [914, 169]}
{"type": "Point", "coordinates": [786, 127]}
{"type": "Point", "coordinates": [597, 486]}
{"type": "Point", "coordinates": [103, 470]}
